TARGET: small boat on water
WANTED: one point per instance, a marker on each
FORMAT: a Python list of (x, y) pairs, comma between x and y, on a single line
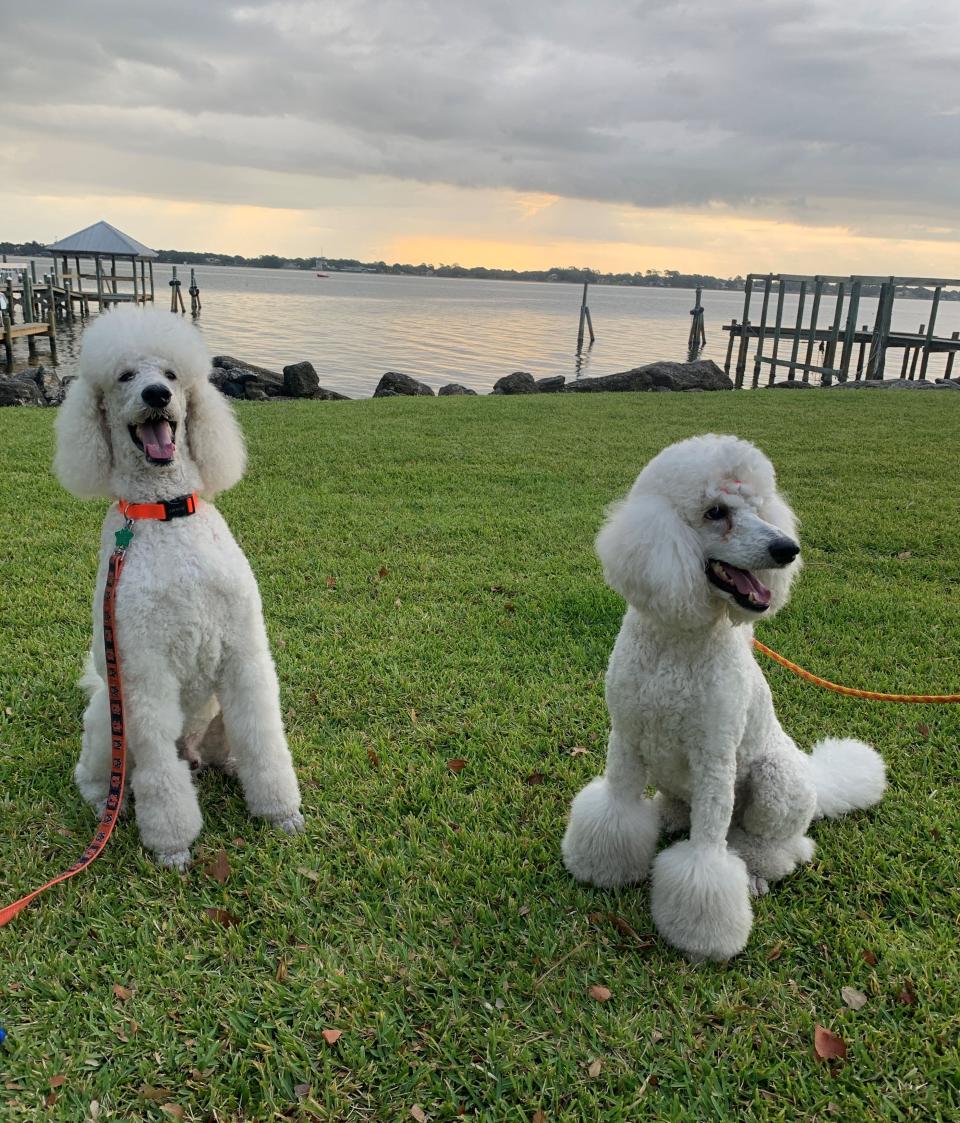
[(321, 266)]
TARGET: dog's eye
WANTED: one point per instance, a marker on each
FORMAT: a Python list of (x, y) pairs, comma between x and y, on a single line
[(127, 375), (714, 514), (171, 374)]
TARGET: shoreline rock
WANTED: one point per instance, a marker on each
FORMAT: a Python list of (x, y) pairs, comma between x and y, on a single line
[(394, 384), (704, 374)]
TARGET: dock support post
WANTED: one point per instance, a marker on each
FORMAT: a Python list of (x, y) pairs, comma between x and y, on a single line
[(8, 338), (584, 318)]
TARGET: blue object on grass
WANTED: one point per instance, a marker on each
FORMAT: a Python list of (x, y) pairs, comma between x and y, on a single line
[(3, 1035)]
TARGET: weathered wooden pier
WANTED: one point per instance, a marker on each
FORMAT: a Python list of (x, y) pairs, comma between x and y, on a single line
[(836, 349)]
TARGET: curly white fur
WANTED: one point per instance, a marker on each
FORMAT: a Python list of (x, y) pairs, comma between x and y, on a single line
[(196, 665), (690, 710)]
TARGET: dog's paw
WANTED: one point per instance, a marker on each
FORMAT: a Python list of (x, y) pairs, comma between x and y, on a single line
[(174, 859), (758, 886), (292, 824)]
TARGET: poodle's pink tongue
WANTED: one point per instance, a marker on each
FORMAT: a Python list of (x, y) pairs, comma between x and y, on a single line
[(748, 585), (157, 439)]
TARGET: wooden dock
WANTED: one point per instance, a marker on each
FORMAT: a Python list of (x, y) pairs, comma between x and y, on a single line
[(842, 350)]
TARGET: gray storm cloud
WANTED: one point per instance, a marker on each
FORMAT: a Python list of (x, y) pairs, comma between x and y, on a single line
[(825, 111)]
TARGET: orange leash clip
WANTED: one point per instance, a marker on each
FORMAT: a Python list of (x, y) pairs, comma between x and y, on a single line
[(850, 691), (118, 739)]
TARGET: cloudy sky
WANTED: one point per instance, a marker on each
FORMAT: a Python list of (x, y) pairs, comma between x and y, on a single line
[(714, 135)]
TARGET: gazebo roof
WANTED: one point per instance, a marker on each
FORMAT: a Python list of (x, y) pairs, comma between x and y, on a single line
[(104, 240)]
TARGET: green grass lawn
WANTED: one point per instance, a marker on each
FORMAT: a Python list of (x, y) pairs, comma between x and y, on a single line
[(432, 596)]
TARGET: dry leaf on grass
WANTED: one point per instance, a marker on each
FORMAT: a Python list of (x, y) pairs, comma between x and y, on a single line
[(331, 582), (282, 971), (383, 572), (600, 993), (827, 1046), (219, 868), (221, 916), (457, 765), (155, 1094), (870, 958), (302, 1090), (311, 875), (908, 996), (331, 1036), (373, 758), (535, 778), (418, 1113), (175, 1111), (579, 750), (854, 998), (123, 993), (57, 1081), (594, 1070), (538, 1116), (774, 953)]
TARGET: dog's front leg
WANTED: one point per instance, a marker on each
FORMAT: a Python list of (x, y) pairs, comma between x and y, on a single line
[(168, 814), (250, 699), (699, 895)]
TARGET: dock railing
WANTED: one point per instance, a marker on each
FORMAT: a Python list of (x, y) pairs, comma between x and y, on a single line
[(835, 342)]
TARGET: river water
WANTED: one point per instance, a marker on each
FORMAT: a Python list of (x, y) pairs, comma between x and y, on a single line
[(353, 327)]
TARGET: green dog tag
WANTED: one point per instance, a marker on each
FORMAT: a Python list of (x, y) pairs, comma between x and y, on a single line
[(124, 538)]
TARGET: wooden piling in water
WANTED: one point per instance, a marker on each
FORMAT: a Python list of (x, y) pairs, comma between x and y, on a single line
[(585, 318)]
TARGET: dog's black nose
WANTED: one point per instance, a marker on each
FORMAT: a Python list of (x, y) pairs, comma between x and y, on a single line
[(156, 395), (783, 550)]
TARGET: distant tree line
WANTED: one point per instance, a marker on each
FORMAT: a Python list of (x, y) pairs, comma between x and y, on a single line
[(569, 274)]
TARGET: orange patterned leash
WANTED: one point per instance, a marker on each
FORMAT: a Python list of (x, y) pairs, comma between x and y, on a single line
[(118, 740), (850, 691)]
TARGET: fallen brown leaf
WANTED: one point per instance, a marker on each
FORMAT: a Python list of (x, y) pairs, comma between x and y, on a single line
[(579, 750), (331, 1036), (219, 868), (594, 1070), (905, 554), (870, 958), (854, 998), (57, 1081), (923, 729), (311, 875), (827, 1046), (600, 993), (908, 996), (282, 971), (122, 992), (523, 910), (535, 778), (538, 1116), (456, 765), (302, 1090), (66, 832), (383, 572), (413, 716), (175, 1111), (221, 916), (331, 582), (50, 1099), (418, 1113), (155, 1094), (373, 758)]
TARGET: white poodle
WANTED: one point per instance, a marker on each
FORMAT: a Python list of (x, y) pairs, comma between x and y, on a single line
[(142, 423), (701, 547)]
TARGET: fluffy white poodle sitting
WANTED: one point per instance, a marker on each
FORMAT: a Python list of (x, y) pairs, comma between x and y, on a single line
[(142, 423), (702, 546)]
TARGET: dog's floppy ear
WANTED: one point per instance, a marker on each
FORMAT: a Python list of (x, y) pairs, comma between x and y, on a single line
[(214, 438), (83, 460), (652, 558)]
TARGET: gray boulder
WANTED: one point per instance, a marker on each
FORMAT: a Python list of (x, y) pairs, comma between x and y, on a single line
[(236, 370), (322, 394), (553, 385), (948, 384), (453, 388), (703, 374), (20, 392), (887, 384), (51, 388), (795, 385), (517, 383), (300, 380), (253, 392), (401, 385)]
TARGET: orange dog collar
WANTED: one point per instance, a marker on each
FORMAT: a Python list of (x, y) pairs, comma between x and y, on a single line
[(164, 510)]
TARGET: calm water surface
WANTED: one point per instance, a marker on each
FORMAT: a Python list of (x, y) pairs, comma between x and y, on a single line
[(353, 327)]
